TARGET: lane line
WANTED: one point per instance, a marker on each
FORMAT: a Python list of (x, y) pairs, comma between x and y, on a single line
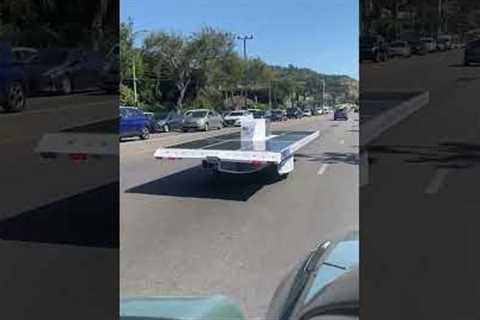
[(322, 169), (437, 181)]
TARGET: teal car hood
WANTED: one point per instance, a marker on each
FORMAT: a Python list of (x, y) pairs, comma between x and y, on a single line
[(179, 308)]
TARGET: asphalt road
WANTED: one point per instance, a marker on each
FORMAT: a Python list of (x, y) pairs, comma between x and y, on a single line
[(418, 214), (58, 235), (28, 182), (184, 233)]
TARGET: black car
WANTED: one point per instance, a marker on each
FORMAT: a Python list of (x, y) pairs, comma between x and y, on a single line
[(472, 52), (294, 113), (373, 48), (13, 86), (64, 70), (418, 47), (278, 115), (168, 121), (341, 113)]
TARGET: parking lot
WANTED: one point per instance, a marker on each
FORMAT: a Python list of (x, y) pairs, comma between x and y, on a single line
[(185, 232)]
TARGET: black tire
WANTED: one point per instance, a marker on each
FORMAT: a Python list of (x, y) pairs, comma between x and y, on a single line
[(466, 63), (16, 98), (184, 130), (206, 128), (145, 134), (66, 86), (377, 57), (220, 126)]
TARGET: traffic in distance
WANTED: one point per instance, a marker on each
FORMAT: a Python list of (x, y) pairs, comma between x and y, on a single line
[(134, 122), (376, 48)]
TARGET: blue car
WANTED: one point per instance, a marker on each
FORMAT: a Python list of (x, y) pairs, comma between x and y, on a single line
[(133, 123), (12, 82), (340, 114)]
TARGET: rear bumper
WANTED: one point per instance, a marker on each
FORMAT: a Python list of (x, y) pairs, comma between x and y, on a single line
[(234, 167)]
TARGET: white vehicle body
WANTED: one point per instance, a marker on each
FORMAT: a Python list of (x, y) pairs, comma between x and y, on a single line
[(307, 113), (429, 43), (444, 42), (255, 149), (235, 118), (399, 48)]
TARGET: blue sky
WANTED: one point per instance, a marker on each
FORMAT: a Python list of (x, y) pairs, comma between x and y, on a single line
[(317, 34)]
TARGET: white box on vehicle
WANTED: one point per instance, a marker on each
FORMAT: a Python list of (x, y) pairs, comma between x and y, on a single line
[(251, 150)]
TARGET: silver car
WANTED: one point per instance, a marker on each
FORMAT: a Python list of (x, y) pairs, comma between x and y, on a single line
[(202, 120)]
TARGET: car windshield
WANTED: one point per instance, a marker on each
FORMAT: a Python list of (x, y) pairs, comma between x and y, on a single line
[(367, 41), (52, 56), (197, 114), (397, 44), (161, 116)]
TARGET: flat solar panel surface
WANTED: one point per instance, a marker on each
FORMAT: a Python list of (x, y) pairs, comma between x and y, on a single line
[(232, 142)]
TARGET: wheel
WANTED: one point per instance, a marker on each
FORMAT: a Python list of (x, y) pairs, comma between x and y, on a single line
[(206, 127), (166, 128), (377, 57), (145, 134), (16, 98), (220, 126), (466, 63), (66, 86)]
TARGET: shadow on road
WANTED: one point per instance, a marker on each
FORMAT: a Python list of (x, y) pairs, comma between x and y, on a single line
[(197, 182), (453, 155), (332, 157), (82, 220)]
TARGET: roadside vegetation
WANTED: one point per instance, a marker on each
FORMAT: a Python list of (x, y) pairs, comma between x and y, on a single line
[(174, 71)]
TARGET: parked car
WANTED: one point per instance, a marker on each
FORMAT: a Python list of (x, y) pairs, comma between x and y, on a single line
[(340, 113), (472, 52), (151, 121), (279, 115), (294, 113), (399, 48), (133, 123), (110, 74), (373, 47), (202, 120), (234, 118), (64, 70), (262, 115), (307, 113), (430, 43), (13, 86), (444, 42), (168, 121), (323, 285), (418, 47)]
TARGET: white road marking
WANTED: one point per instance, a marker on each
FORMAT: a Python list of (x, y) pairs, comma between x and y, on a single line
[(322, 169), (437, 181)]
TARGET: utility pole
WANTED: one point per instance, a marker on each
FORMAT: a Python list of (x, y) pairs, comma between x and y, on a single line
[(134, 83), (323, 93), (244, 39)]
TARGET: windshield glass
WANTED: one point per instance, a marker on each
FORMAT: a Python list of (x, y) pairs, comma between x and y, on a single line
[(397, 44), (52, 56), (367, 41), (197, 114), (236, 114), (161, 116)]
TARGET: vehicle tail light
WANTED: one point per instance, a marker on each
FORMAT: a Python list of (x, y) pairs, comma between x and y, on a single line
[(78, 157)]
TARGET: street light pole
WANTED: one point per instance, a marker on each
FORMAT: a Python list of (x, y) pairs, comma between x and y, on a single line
[(323, 93), (134, 75), (244, 39)]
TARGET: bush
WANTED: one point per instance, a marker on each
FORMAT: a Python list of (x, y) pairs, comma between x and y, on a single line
[(127, 96)]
